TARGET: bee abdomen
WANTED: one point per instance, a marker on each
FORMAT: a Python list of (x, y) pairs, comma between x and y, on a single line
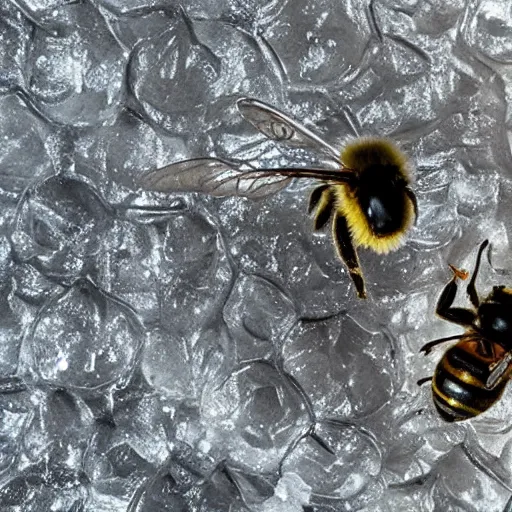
[(458, 386)]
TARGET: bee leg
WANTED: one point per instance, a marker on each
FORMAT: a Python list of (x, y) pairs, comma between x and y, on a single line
[(487, 348), (315, 197), (325, 206), (427, 348), (347, 252), (471, 289), (412, 197), (444, 308), (422, 381)]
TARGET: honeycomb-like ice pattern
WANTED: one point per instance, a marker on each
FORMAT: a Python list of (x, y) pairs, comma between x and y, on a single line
[(188, 353)]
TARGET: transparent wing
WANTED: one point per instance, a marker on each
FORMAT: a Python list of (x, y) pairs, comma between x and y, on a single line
[(217, 177), (279, 127), (499, 371)]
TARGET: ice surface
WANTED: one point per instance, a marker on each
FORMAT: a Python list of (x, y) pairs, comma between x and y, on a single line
[(187, 353)]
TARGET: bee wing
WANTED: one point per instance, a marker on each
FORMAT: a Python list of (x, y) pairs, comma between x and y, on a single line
[(217, 177), (277, 126), (499, 371)]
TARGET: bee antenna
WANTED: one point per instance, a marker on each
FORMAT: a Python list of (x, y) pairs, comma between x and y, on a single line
[(489, 255)]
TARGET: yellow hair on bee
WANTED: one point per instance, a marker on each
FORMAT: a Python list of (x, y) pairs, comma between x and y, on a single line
[(361, 232), (359, 155), (365, 152)]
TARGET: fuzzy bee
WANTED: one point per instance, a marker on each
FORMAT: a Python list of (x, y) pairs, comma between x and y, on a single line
[(472, 375), (365, 193)]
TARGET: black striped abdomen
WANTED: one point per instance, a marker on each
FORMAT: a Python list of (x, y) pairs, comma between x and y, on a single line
[(458, 385)]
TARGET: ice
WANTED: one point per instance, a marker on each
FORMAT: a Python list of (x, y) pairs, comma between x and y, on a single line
[(272, 415), (257, 313), (84, 338), (337, 462), (177, 352), (59, 226), (243, 13), (488, 31), (75, 71), (458, 487), (219, 494), (177, 75), (198, 275), (323, 356), (20, 130), (289, 496), (275, 250), (14, 32), (123, 151), (316, 42), (15, 413)]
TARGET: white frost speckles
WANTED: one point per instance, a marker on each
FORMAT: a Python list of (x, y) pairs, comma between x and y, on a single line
[(62, 363)]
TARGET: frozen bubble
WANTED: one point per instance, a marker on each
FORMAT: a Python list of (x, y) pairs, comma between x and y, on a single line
[(124, 461), (413, 498), (438, 223), (14, 40), (60, 427), (116, 468), (84, 338), (280, 247), (166, 491), (59, 227), (248, 12), (24, 156), (462, 486), (40, 10), (257, 314), (180, 368), (257, 413), (337, 461), (14, 321), (437, 16), (290, 494), (32, 287), (488, 30), (76, 74), (416, 439), (220, 494), (129, 148), (15, 414), (197, 419), (185, 78), (344, 369), (167, 365), (196, 274), (132, 7), (475, 195), (44, 486), (255, 488), (319, 42), (141, 418), (388, 275), (132, 256)]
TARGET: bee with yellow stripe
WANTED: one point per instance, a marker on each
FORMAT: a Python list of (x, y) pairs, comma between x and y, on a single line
[(472, 375), (365, 191)]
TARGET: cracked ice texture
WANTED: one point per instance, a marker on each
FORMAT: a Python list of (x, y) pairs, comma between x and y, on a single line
[(194, 354)]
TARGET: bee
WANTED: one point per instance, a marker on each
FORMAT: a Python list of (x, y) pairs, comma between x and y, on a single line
[(472, 374), (364, 190)]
